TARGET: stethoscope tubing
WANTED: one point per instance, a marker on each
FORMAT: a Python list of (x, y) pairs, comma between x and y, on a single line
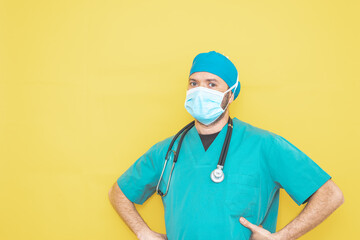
[(225, 147), (190, 125), (176, 154), (184, 131)]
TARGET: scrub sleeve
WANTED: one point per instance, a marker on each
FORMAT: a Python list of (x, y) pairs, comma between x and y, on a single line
[(293, 170), (139, 181)]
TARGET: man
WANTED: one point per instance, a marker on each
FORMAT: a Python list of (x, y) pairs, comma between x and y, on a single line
[(244, 205)]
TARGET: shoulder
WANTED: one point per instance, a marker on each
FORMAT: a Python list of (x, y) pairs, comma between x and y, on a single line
[(268, 140), (160, 147), (163, 143), (251, 132)]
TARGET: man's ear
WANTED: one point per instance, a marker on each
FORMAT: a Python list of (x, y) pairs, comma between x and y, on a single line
[(231, 97), (227, 100)]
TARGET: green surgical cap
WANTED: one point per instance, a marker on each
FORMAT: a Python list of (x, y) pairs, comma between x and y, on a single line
[(218, 64)]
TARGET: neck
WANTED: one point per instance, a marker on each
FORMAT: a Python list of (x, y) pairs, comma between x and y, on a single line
[(213, 127)]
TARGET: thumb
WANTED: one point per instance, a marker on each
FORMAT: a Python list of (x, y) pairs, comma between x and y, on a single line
[(249, 225)]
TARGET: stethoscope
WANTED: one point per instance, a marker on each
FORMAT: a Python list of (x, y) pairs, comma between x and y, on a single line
[(216, 175)]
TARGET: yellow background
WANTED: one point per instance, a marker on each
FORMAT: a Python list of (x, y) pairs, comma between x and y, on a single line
[(88, 86)]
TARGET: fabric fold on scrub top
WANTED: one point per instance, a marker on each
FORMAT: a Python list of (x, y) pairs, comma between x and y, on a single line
[(259, 163)]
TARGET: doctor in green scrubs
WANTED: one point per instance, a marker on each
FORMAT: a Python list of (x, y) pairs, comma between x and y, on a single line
[(258, 164)]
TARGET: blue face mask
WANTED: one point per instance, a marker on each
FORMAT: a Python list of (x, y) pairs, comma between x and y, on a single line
[(204, 104)]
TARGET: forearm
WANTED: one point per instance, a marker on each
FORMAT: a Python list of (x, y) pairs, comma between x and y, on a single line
[(321, 204), (128, 212)]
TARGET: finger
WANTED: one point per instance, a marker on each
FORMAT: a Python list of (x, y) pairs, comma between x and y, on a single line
[(248, 224)]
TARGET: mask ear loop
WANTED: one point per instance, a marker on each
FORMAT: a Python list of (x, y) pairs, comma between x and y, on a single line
[(236, 84)]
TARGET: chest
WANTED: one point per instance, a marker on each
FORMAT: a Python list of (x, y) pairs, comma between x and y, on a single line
[(191, 185)]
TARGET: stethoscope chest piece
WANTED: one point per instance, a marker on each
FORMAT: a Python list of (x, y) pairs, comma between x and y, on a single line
[(217, 175)]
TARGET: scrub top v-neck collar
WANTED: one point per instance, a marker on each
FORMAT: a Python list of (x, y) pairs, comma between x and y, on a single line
[(194, 144), (207, 139)]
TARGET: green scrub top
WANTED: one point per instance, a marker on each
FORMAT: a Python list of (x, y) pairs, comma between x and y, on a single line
[(257, 165)]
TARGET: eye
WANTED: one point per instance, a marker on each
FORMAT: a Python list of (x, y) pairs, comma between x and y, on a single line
[(212, 84), (192, 84)]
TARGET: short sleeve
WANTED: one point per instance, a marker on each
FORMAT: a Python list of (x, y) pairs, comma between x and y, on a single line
[(139, 181), (293, 170)]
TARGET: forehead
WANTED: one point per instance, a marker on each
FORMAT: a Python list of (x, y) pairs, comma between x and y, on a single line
[(206, 76)]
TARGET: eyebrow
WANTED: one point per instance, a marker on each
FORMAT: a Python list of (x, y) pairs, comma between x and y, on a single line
[(208, 79)]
